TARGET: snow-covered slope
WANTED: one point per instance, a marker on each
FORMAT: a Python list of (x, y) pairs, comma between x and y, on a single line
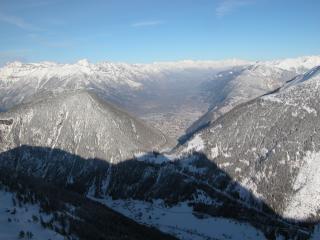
[(80, 118), (19, 82), (270, 145), (22, 222), (78, 123), (231, 88), (298, 65)]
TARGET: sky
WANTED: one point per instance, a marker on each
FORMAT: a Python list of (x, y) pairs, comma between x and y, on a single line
[(140, 31)]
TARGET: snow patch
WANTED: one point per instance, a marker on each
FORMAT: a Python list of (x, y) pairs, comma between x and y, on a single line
[(310, 110), (151, 157), (214, 152), (196, 144)]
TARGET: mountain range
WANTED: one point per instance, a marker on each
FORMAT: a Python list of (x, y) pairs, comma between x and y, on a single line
[(223, 143)]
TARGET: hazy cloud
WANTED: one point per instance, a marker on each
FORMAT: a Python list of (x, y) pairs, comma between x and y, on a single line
[(18, 22), (227, 6), (147, 23)]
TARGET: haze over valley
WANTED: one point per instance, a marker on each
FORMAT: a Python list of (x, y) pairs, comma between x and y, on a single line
[(113, 126)]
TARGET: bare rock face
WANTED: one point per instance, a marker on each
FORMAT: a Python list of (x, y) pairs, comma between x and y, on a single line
[(271, 146)]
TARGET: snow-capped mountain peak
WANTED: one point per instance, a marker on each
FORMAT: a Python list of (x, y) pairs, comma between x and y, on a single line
[(14, 64), (83, 62), (311, 77), (299, 65)]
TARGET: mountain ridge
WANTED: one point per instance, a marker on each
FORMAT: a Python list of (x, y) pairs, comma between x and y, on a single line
[(79, 116), (241, 86), (269, 138)]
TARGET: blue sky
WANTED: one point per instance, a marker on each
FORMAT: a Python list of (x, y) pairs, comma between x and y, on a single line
[(157, 30)]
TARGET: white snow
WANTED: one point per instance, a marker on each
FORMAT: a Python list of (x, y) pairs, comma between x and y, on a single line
[(21, 220), (310, 110), (196, 144), (224, 165), (181, 221), (246, 162), (120, 73), (305, 201), (299, 65), (272, 98), (150, 157), (214, 152)]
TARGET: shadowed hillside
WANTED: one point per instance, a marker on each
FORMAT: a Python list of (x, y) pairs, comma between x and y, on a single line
[(174, 182)]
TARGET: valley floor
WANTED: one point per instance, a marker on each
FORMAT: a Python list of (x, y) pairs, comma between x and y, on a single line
[(174, 123)]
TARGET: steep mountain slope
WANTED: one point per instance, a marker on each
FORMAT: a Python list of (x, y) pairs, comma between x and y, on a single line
[(77, 122), (270, 146), (169, 90), (231, 88)]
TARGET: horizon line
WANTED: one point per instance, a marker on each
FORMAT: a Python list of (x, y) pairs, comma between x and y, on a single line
[(79, 60)]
